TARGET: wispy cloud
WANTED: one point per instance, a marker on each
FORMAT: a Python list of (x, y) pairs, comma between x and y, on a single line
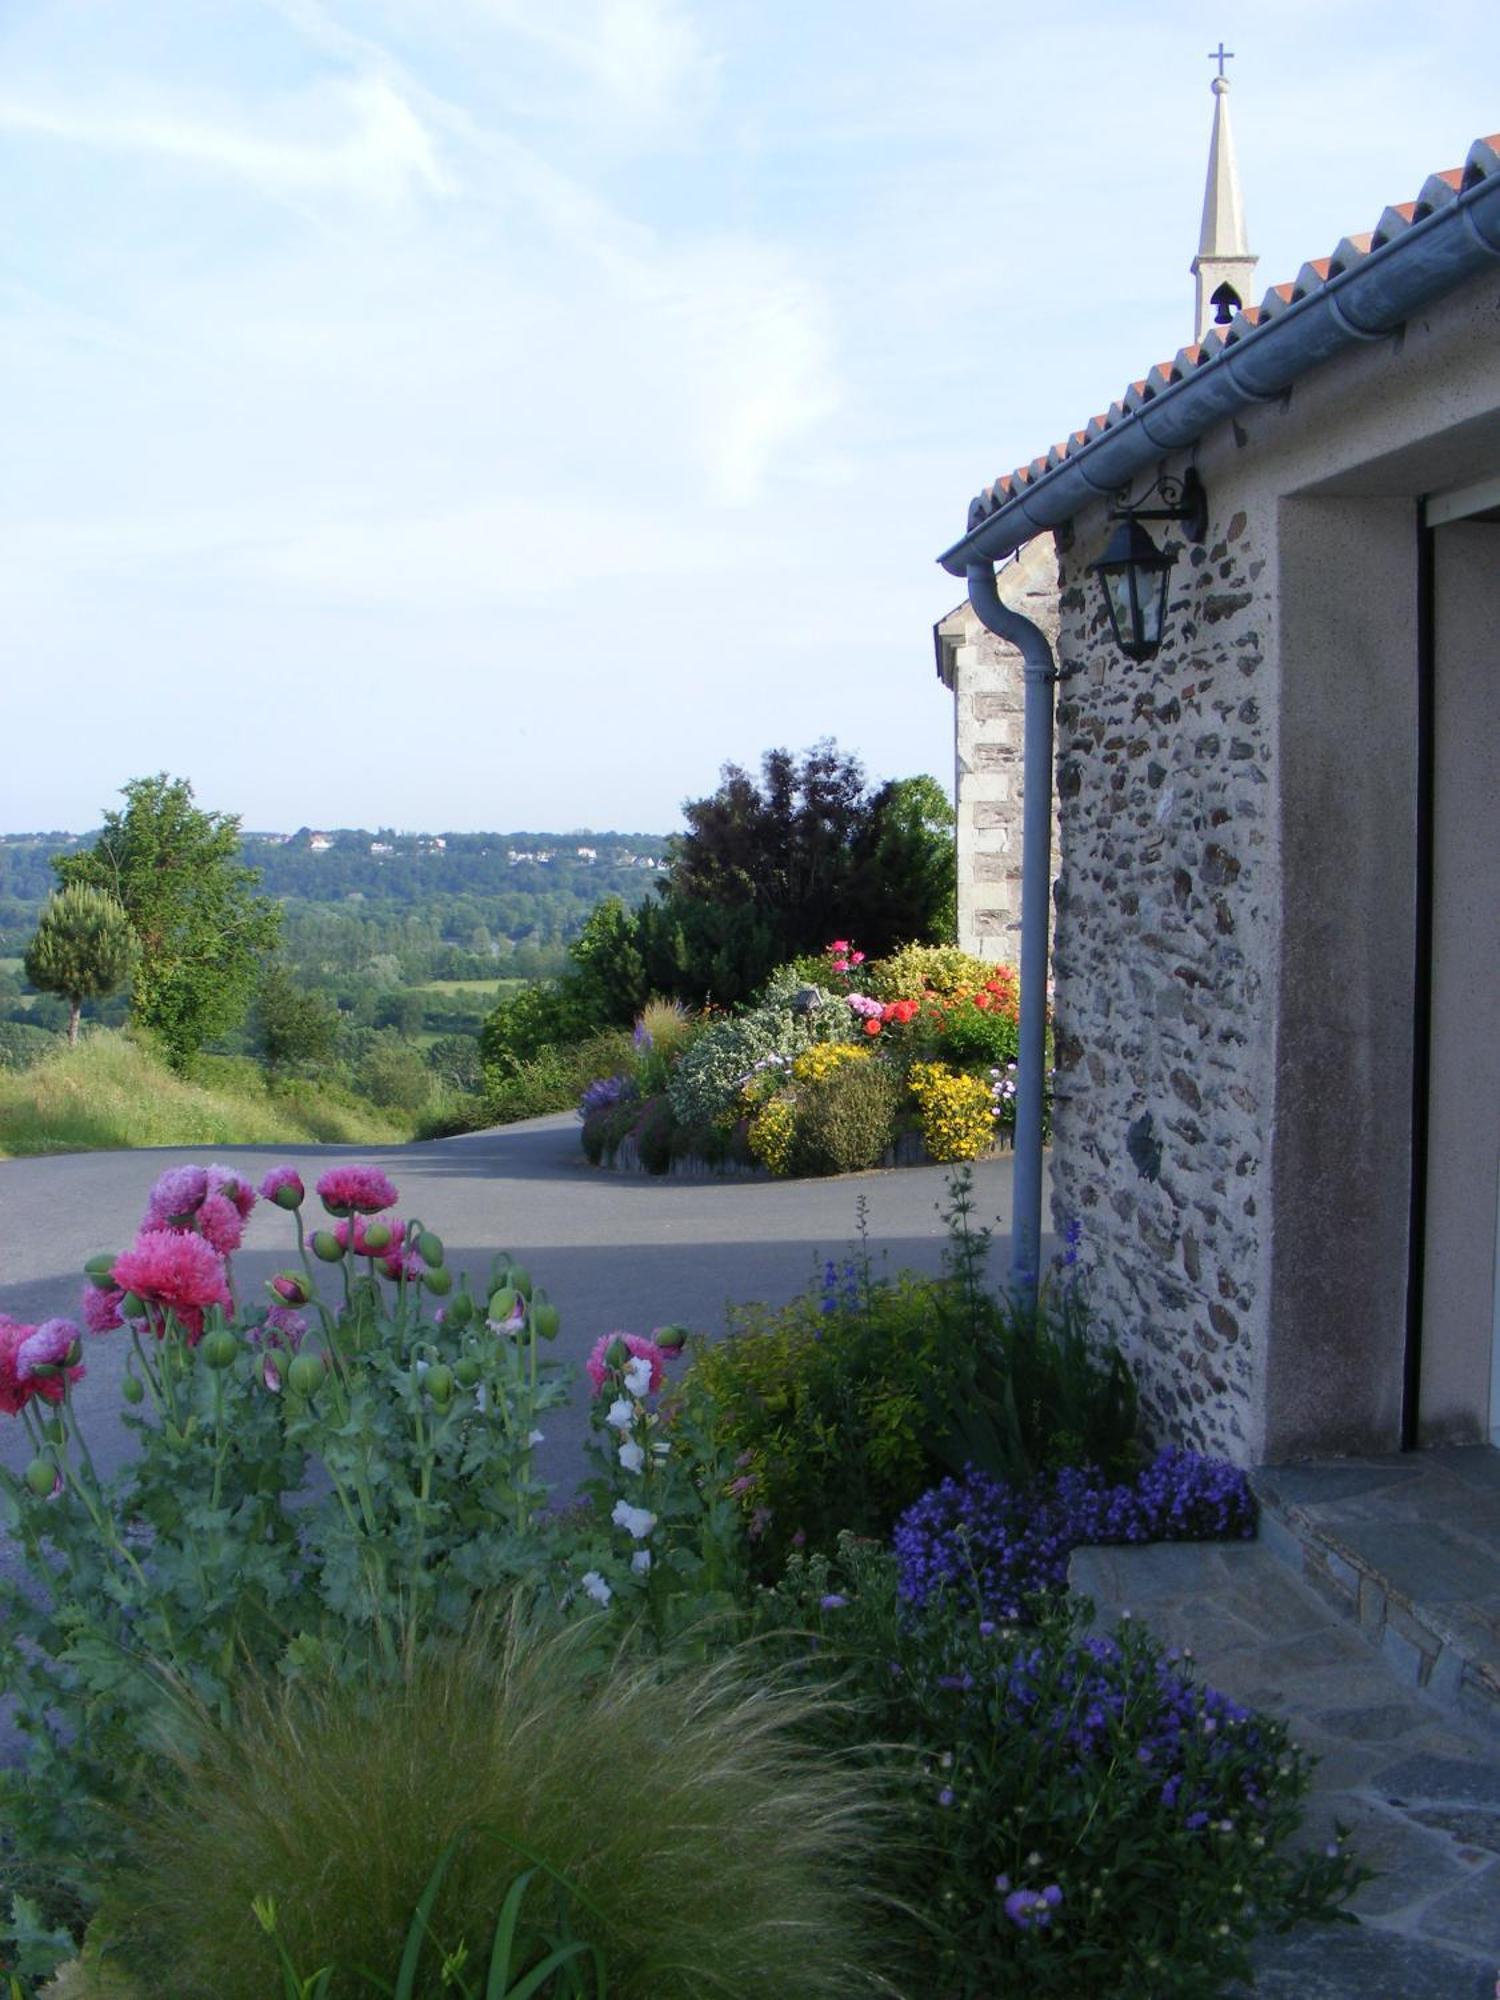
[(355, 136)]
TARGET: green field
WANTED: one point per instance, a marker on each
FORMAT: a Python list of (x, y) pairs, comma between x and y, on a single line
[(477, 989)]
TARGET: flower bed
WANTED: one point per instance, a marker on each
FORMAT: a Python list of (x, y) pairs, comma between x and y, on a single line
[(320, 1682), (820, 1076)]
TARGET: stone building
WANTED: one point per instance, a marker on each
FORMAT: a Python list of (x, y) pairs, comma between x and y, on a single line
[(983, 675), (1277, 923)]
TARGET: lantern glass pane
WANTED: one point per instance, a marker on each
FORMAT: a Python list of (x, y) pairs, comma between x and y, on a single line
[(1119, 599)]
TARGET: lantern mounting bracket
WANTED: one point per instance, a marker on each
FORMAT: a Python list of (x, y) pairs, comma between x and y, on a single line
[(1184, 500)]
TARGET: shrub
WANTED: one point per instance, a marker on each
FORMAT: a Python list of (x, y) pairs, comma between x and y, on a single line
[(23, 1046), (706, 1082), (454, 1061), (957, 1112), (1081, 1817), (555, 1078), (772, 1135), (824, 1058), (825, 1409), (845, 1119), (393, 1075), (654, 1130), (707, 1850), (972, 1036), (938, 968), (549, 1014)]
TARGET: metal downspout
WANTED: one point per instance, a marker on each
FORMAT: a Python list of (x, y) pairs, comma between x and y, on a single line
[(1039, 673)]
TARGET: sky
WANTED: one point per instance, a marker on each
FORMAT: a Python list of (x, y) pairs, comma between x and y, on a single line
[(459, 414)]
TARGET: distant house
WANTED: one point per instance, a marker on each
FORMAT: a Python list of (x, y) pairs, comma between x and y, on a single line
[(319, 843), (1277, 926), (381, 847)]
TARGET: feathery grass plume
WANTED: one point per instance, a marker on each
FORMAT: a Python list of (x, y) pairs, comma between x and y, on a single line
[(709, 1849)]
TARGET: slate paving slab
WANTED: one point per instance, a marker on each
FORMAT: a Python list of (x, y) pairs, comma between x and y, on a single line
[(1417, 1790)]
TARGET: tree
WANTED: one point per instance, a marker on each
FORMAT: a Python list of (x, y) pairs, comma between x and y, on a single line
[(289, 1025), (774, 870), (83, 949), (201, 931)]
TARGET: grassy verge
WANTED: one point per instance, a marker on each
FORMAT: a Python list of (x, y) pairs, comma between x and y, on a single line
[(110, 1093)]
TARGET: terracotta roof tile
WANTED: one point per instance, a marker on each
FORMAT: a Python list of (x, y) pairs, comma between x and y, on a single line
[(1438, 191)]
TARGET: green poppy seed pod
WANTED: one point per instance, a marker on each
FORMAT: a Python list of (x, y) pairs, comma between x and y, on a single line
[(219, 1349), (41, 1477), (430, 1248), (438, 1281), (617, 1354), (467, 1371), (461, 1311), (439, 1385), (290, 1288), (326, 1246), (376, 1236), (131, 1389), (545, 1320), (305, 1374), (504, 1302), (520, 1279), (671, 1339), (101, 1269), (131, 1307)]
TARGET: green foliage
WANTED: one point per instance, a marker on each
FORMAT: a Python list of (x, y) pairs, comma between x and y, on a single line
[(200, 929), (1033, 1760), (291, 1026), (706, 1850), (826, 1413), (83, 949), (454, 1061), (972, 1037), (550, 1015), (1034, 1386), (846, 1120), (23, 1046), (393, 1075), (555, 1078), (31, 1948), (664, 1030)]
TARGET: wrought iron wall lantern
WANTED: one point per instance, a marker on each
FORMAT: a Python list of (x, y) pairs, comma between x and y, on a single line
[(1134, 571)]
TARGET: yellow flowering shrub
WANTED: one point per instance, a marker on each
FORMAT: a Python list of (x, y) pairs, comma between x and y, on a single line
[(823, 1058), (956, 1110), (932, 968), (772, 1135)]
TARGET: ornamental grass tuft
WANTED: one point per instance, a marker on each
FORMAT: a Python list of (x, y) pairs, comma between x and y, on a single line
[(707, 1848)]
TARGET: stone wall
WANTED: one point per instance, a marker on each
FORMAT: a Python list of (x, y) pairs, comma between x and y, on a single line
[(1165, 935), (983, 674)]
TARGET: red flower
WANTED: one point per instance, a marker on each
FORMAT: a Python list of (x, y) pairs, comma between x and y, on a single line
[(872, 1027)]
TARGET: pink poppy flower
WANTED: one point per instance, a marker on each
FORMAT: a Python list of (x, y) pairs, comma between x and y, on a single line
[(283, 1186), (175, 1270), (346, 1190), (176, 1198)]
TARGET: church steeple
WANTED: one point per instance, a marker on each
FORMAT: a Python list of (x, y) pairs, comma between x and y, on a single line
[(1223, 266)]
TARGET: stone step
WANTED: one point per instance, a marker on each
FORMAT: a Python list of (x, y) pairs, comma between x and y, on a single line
[(1408, 1549), (1418, 1790)]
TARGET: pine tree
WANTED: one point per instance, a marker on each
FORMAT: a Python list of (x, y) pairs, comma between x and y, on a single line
[(83, 949)]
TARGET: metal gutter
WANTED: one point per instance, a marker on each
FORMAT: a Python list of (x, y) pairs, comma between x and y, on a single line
[(1373, 295)]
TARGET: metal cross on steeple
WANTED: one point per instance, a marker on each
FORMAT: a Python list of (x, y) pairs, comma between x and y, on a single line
[(1221, 55)]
